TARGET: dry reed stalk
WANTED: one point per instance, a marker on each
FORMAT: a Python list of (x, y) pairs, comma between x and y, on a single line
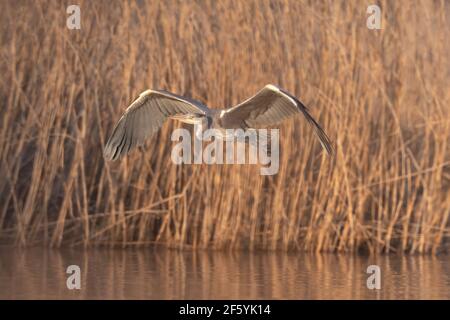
[(381, 95)]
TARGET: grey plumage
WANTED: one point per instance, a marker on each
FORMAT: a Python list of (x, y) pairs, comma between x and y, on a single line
[(148, 112), (145, 116)]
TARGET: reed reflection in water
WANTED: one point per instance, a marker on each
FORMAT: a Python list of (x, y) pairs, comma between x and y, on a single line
[(150, 273)]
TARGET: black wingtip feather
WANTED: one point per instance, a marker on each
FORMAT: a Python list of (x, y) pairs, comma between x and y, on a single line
[(320, 133), (112, 150)]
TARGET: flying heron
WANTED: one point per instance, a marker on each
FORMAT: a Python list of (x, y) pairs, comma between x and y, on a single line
[(148, 112)]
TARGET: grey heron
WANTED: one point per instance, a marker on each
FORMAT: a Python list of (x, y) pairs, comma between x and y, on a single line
[(148, 112)]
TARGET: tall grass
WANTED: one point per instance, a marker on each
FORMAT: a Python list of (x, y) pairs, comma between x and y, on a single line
[(382, 96)]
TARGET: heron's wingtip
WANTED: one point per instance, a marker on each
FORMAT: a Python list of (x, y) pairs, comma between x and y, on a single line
[(330, 150), (108, 153)]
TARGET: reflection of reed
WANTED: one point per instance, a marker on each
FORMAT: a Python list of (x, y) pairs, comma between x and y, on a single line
[(171, 274)]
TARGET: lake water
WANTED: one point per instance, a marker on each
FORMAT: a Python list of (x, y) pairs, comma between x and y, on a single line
[(151, 273)]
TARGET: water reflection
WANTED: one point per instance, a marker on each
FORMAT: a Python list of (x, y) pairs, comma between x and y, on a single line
[(169, 274)]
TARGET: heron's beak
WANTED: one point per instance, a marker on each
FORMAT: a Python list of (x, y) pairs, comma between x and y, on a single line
[(190, 119)]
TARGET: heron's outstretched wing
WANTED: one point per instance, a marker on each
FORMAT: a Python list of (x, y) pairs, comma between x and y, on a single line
[(270, 106), (145, 116)]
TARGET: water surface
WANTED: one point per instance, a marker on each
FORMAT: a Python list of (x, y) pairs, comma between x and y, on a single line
[(151, 273)]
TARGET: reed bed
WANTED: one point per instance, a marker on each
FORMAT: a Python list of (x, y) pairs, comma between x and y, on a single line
[(382, 96)]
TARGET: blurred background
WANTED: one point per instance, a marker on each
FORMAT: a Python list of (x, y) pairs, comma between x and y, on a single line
[(381, 95)]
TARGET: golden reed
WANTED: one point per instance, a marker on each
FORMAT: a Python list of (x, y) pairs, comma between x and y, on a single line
[(382, 96)]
